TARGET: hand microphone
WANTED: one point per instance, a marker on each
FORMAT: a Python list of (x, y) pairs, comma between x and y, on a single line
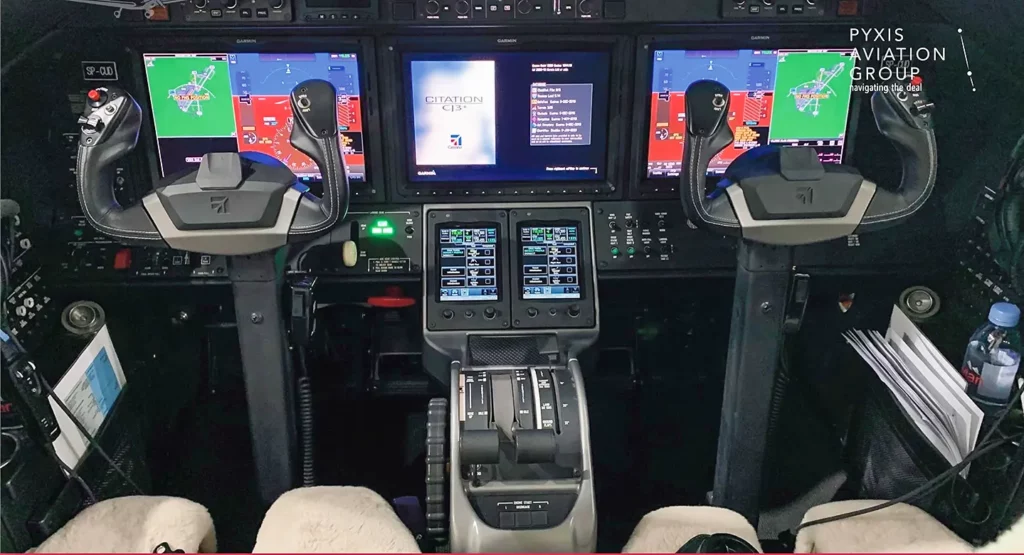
[(20, 376)]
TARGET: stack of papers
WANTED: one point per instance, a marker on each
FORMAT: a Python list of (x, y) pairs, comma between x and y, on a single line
[(925, 384)]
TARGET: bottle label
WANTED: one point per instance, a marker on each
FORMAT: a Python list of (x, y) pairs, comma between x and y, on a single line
[(990, 376)]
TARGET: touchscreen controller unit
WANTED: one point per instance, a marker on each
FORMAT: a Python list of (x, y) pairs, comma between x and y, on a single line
[(469, 263), (550, 262)]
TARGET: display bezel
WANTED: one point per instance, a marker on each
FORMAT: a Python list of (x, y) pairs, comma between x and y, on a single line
[(371, 190), (396, 110), (581, 258), (499, 262), (758, 38)]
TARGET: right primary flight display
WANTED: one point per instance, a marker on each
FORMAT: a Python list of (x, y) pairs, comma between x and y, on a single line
[(795, 97)]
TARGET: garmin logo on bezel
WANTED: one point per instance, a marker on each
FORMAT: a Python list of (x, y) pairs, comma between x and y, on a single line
[(508, 41), (245, 41), (760, 37)]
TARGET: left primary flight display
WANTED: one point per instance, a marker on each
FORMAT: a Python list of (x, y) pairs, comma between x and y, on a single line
[(239, 102)]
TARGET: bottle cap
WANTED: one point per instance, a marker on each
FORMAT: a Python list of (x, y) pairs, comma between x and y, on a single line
[(1004, 315)]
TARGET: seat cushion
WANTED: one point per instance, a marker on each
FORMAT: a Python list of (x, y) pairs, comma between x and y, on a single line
[(333, 519), (666, 530), (900, 528), (136, 524)]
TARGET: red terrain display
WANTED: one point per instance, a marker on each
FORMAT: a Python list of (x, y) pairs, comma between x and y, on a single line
[(749, 117)]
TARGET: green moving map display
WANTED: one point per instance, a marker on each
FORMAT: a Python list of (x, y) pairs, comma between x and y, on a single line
[(191, 96), (812, 95)]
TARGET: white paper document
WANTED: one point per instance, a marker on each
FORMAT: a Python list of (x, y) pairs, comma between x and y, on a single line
[(926, 386), (89, 389)]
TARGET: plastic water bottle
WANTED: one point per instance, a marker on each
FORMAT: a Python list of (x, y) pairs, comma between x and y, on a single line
[(993, 358)]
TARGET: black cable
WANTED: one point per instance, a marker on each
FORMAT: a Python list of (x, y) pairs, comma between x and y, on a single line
[(923, 489), (305, 392), (88, 437), (983, 447), (71, 472)]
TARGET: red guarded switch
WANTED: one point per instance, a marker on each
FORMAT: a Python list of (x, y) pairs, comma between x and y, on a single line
[(123, 259)]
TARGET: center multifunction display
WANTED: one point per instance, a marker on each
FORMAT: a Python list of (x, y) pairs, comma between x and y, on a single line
[(225, 102), (549, 261), (481, 255), (469, 263), (784, 97), (507, 116)]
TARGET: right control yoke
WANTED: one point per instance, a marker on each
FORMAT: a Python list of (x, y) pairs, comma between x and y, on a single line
[(774, 198), (785, 195)]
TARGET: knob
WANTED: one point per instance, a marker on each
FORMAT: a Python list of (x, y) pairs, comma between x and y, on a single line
[(470, 314), (409, 230), (615, 251), (629, 222), (586, 7), (276, 4), (661, 224), (448, 314), (349, 254), (524, 7), (666, 249), (647, 249), (630, 251), (489, 313), (230, 4), (811, 2), (574, 310), (462, 7), (531, 312), (614, 226), (768, 2), (200, 3), (433, 8)]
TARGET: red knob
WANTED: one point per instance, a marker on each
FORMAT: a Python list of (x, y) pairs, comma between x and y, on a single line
[(94, 95)]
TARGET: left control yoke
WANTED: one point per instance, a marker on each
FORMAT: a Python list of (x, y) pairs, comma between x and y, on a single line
[(233, 204)]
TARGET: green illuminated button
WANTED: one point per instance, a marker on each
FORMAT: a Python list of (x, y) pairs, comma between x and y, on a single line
[(79, 233), (615, 251), (382, 227), (631, 251)]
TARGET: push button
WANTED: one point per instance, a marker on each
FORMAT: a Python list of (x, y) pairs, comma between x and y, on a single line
[(755, 9), (123, 259), (539, 518), (506, 520), (262, 12), (447, 314), (523, 519), (798, 10), (246, 12), (216, 13), (782, 10)]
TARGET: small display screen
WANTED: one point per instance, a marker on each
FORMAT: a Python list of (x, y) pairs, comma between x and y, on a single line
[(226, 102), (550, 262), (508, 116), (469, 263), (784, 97)]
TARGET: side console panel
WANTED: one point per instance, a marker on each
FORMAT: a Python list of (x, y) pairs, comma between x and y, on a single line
[(655, 236), (385, 240)]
